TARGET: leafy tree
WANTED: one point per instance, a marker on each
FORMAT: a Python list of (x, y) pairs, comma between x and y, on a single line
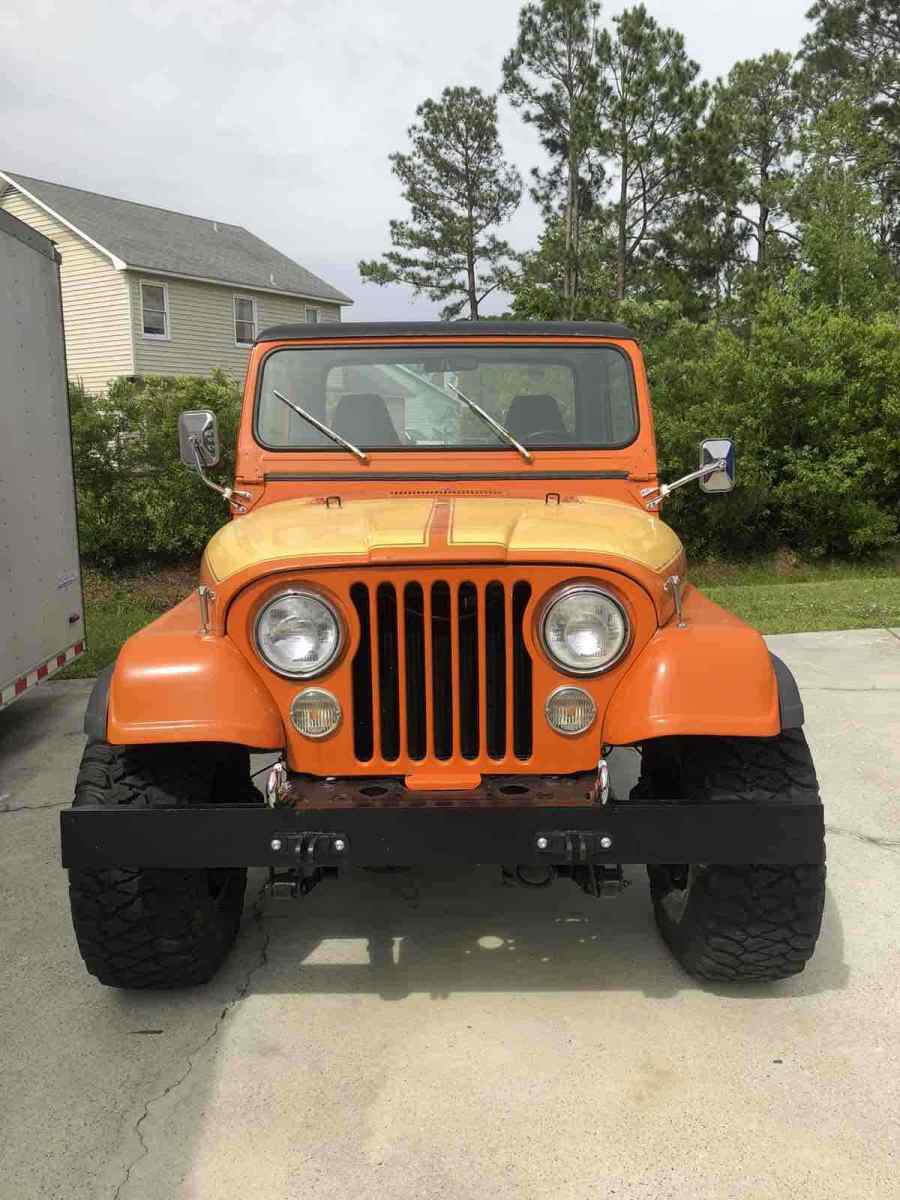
[(136, 502), (649, 105), (459, 189), (853, 55), (551, 76), (758, 111), (838, 214)]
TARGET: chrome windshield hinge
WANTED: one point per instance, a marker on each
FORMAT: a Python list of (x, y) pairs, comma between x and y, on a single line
[(675, 585), (207, 597)]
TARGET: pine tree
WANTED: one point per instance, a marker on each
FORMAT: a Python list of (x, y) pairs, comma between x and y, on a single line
[(758, 109), (649, 106), (551, 76), (459, 189)]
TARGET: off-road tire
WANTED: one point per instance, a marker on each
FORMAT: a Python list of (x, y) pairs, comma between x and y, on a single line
[(141, 928), (736, 923)]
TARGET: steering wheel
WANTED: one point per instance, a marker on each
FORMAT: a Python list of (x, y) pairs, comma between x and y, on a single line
[(548, 435)]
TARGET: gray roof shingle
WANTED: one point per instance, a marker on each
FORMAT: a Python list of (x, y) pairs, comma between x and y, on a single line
[(156, 239)]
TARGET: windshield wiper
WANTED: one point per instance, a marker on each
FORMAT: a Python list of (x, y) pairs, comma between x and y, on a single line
[(488, 419), (317, 424)]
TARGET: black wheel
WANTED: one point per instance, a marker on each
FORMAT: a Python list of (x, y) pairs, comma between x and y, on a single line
[(736, 923), (140, 928)]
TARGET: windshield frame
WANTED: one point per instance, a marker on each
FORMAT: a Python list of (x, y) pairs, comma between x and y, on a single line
[(443, 344)]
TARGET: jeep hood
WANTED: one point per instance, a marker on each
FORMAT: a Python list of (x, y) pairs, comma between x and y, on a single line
[(412, 528)]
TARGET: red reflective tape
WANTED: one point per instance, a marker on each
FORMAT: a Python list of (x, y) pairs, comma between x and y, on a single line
[(42, 671), (79, 647), (21, 685), (60, 660)]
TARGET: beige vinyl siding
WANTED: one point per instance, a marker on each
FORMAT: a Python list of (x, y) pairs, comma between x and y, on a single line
[(95, 300), (201, 325)]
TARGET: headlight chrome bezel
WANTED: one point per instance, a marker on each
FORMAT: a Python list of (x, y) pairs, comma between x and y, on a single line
[(564, 592), (309, 594)]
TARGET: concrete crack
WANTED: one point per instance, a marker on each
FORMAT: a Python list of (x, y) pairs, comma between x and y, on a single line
[(869, 839), (31, 807), (878, 690), (240, 994)]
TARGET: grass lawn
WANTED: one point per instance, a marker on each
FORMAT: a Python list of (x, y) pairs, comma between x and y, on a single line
[(775, 596)]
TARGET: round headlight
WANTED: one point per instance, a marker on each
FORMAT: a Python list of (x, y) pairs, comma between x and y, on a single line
[(584, 630), (298, 634)]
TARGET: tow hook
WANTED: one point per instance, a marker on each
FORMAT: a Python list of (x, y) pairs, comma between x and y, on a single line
[(601, 882)]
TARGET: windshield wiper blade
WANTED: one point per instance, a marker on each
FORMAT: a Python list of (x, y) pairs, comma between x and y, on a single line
[(495, 425), (317, 424)]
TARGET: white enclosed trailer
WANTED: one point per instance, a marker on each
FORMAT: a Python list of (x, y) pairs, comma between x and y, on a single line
[(41, 602)]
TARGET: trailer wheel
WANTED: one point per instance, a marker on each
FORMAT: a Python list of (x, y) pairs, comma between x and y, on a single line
[(141, 928), (735, 923)]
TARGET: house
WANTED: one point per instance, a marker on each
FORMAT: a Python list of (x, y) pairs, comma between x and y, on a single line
[(147, 291)]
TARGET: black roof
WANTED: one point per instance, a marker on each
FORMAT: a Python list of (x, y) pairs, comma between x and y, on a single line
[(447, 329)]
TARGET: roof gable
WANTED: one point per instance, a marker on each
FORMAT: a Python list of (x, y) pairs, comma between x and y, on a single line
[(170, 243)]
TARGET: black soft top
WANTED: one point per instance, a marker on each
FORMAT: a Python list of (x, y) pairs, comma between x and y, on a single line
[(446, 329)]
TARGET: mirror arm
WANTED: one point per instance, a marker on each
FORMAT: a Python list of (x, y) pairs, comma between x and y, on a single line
[(665, 488), (226, 493)]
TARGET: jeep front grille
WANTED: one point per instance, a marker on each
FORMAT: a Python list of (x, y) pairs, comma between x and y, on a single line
[(442, 672)]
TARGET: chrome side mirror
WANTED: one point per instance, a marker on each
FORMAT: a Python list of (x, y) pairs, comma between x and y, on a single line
[(717, 450), (198, 439)]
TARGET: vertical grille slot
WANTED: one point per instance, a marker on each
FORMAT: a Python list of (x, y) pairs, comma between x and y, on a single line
[(361, 681), (522, 731), (414, 633), (468, 670), (388, 677), (442, 671), (495, 669)]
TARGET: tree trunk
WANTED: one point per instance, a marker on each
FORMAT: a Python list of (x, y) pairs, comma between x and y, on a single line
[(570, 278), (762, 238), (622, 215), (472, 289)]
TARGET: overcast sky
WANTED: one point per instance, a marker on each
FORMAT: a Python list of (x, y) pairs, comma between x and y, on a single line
[(280, 114)]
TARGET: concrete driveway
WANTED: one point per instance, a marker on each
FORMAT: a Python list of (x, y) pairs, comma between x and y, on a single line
[(449, 1037)]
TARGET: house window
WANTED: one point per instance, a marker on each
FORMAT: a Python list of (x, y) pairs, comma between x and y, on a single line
[(244, 320), (312, 316), (155, 310)]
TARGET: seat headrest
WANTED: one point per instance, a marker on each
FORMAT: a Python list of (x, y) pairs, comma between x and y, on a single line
[(363, 418), (530, 413)]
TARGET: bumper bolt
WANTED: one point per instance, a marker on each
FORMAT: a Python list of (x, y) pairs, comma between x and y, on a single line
[(275, 844), (606, 843), (542, 843), (339, 845)]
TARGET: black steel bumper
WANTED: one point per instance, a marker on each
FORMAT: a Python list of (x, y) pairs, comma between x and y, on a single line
[(619, 832)]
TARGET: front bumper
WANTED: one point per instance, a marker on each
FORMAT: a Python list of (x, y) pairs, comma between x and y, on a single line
[(432, 829)]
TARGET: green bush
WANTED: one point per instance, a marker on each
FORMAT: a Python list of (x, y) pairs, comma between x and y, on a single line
[(136, 502), (811, 396)]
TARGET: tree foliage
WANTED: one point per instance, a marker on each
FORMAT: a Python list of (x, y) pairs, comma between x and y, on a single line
[(551, 75), (136, 502), (650, 105), (459, 189)]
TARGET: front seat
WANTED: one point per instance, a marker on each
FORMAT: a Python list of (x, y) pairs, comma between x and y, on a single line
[(363, 418), (531, 414)]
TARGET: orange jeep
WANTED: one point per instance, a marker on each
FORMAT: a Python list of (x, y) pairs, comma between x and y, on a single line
[(445, 599)]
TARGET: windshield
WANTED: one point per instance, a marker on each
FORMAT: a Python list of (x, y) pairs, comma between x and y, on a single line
[(396, 397)]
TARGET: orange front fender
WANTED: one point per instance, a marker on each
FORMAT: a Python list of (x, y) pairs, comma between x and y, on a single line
[(714, 676), (173, 684)]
